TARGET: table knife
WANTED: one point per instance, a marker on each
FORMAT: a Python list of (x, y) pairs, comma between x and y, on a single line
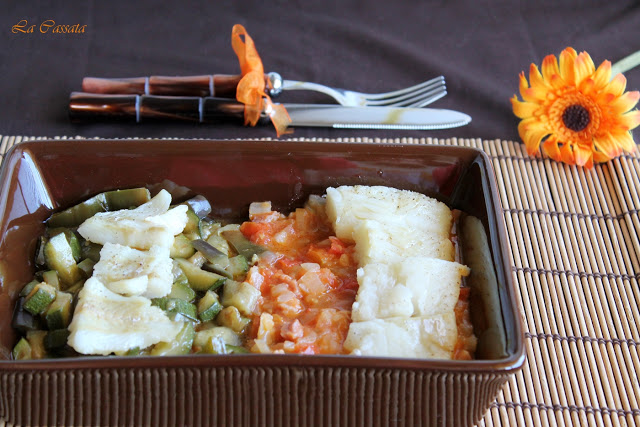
[(84, 107)]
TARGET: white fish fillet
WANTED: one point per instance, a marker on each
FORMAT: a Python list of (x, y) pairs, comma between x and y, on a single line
[(105, 322), (151, 224)]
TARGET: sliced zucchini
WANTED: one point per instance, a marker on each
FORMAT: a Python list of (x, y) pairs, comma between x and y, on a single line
[(192, 229), (199, 280), (58, 314), (180, 345), (207, 227), (91, 251), (51, 278), (236, 349), (241, 244), (241, 295), (182, 291), (231, 318), (127, 199), (72, 238), (40, 298), (238, 267), (86, 267), (22, 350), (59, 256), (182, 247), (227, 335), (36, 341), (209, 306), (56, 339), (76, 215), (28, 288), (177, 306)]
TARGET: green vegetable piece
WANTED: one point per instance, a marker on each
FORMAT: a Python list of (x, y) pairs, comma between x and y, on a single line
[(235, 349), (214, 345), (209, 306), (28, 288), (207, 227), (199, 280), (72, 238), (76, 215), (231, 318), (39, 298), (56, 339), (36, 341), (22, 350), (161, 303), (241, 295), (86, 267), (59, 313), (181, 344), (51, 277), (127, 199), (182, 291), (238, 267), (133, 352), (91, 251), (182, 247), (75, 288), (227, 335), (177, 306), (241, 244), (192, 229), (59, 256)]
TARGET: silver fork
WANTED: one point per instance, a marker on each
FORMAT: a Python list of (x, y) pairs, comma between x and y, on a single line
[(417, 96)]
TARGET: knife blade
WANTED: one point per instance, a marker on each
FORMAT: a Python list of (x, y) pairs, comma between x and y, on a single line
[(85, 107)]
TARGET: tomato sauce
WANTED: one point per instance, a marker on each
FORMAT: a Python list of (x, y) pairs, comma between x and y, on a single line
[(308, 283)]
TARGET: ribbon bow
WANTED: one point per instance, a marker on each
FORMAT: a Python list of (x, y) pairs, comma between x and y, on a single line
[(251, 88)]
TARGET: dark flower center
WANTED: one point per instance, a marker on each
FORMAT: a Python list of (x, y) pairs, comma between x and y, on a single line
[(575, 117)]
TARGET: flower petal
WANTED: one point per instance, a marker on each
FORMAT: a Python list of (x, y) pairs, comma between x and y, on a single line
[(630, 120), (551, 72), (567, 65), (523, 109), (566, 152), (583, 156), (624, 102), (617, 85), (551, 148), (531, 132), (602, 76), (584, 67), (608, 145)]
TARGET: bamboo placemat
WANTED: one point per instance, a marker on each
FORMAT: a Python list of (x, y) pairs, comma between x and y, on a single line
[(575, 249)]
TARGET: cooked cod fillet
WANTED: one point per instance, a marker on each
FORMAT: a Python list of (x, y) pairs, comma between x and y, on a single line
[(128, 271), (105, 322), (151, 224), (413, 287), (419, 337), (348, 206), (391, 243)]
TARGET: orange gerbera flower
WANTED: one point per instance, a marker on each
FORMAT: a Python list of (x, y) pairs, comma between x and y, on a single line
[(251, 88), (576, 112)]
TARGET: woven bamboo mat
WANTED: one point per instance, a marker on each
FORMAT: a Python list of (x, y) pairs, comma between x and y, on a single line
[(575, 247)]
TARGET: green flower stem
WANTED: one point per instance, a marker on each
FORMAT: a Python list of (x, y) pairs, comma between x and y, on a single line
[(625, 64)]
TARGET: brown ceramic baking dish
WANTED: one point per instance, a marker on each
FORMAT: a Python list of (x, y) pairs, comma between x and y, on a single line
[(39, 177)]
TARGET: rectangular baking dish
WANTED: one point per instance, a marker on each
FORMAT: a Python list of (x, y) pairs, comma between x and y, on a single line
[(41, 176)]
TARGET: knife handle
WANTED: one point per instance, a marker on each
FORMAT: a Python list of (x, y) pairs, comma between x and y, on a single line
[(214, 85), (87, 107)]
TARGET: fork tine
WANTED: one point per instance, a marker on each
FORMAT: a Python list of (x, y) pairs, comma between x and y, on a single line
[(401, 92), (421, 96), (427, 101)]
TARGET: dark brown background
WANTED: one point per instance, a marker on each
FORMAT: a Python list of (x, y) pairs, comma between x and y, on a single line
[(480, 46)]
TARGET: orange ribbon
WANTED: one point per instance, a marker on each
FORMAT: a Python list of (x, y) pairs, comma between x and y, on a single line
[(251, 88)]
